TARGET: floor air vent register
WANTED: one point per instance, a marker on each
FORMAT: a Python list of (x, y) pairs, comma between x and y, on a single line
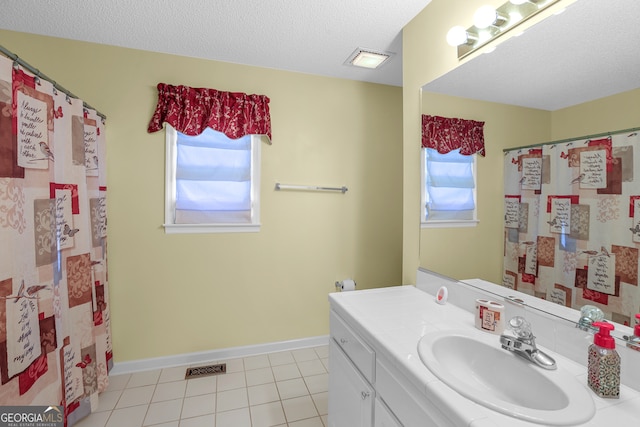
[(203, 371)]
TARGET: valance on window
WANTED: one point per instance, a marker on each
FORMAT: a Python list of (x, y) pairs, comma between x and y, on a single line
[(445, 134), (192, 110)]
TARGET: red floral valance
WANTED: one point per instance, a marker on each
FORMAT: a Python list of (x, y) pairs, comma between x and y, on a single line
[(191, 110), (445, 134)]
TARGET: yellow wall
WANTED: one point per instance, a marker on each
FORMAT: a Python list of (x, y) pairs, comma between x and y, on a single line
[(426, 56), (173, 294), (477, 252), (616, 112)]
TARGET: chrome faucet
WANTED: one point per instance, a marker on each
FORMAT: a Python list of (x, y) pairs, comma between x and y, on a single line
[(523, 343), (588, 315)]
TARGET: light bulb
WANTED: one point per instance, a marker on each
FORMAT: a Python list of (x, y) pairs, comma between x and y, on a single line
[(456, 36), (515, 17), (485, 16)]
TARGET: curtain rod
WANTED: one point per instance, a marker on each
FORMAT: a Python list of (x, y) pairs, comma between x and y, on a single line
[(41, 75), (597, 135)]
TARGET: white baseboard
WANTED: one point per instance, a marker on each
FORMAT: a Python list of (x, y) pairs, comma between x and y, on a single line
[(133, 366)]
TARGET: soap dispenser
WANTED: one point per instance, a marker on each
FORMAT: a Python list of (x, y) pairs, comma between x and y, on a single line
[(634, 341), (604, 363)]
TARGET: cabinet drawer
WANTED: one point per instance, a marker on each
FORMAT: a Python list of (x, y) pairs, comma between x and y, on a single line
[(362, 356)]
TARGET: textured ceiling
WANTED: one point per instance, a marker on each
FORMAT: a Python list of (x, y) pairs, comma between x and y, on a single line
[(588, 52), (308, 36)]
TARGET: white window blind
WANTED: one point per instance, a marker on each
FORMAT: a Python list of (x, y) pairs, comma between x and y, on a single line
[(449, 187), (213, 181)]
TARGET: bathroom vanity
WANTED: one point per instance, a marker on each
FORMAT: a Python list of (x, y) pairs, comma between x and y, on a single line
[(377, 377)]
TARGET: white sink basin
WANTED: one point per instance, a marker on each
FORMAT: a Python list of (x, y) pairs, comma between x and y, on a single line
[(478, 368)]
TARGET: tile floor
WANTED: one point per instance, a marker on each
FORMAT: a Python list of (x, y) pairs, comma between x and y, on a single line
[(284, 389)]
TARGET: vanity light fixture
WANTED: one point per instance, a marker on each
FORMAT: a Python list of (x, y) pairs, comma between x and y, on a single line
[(368, 58), (487, 16), (490, 23)]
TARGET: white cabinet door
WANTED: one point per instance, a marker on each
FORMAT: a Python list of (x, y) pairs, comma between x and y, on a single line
[(383, 416), (350, 395)]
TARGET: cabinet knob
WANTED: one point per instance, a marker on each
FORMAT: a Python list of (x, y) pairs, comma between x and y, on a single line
[(343, 341), (365, 394)]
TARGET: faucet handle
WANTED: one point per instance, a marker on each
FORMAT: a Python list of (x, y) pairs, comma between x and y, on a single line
[(520, 327), (588, 315)]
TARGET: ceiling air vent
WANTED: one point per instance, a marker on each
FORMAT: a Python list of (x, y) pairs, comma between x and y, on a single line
[(368, 58)]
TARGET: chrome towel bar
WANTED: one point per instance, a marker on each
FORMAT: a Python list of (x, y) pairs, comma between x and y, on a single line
[(309, 188)]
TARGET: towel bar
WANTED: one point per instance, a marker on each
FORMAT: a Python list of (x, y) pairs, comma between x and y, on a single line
[(309, 188)]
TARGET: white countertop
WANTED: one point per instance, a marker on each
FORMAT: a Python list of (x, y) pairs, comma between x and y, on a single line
[(394, 319)]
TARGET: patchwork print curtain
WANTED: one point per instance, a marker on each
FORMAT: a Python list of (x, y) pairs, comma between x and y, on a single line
[(55, 344), (572, 223)]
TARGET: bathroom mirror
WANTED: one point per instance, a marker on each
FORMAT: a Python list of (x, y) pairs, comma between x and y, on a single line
[(585, 53)]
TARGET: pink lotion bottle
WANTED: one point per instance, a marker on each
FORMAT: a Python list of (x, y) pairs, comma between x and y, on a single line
[(604, 363)]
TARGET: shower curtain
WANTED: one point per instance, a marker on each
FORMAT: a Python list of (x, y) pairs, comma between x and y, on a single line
[(572, 223), (55, 339)]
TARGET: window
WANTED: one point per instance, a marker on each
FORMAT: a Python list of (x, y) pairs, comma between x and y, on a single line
[(448, 189), (212, 183)]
